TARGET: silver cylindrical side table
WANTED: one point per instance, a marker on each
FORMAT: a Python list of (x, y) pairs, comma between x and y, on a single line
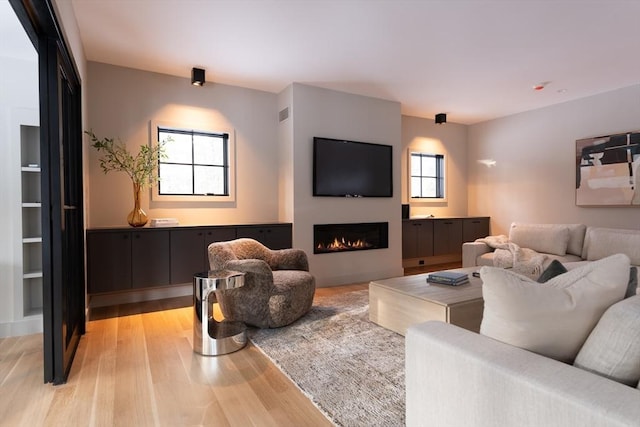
[(210, 337)]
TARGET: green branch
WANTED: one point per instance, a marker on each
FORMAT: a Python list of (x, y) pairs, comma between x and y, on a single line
[(116, 157)]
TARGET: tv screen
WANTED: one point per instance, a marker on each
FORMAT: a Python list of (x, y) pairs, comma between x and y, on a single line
[(351, 169)]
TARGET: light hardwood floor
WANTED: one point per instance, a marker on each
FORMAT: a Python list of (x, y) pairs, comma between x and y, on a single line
[(139, 369)]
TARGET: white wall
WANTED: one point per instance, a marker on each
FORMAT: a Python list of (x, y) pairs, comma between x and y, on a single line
[(534, 176), (18, 104), (450, 139), (321, 112), (123, 101)]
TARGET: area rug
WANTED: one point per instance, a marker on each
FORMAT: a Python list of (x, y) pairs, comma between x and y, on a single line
[(350, 368)]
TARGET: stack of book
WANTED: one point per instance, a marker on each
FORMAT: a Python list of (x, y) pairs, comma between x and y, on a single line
[(451, 278)]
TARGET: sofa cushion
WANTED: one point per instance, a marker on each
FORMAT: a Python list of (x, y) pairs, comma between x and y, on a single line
[(553, 318), (554, 269), (613, 347), (602, 242), (544, 238)]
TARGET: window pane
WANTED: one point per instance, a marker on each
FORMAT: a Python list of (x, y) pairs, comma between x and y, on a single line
[(415, 187), (415, 165), (175, 179), (428, 187), (209, 180), (177, 147), (428, 166), (208, 150)]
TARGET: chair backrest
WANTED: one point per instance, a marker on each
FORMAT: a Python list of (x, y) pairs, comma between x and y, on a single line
[(222, 252)]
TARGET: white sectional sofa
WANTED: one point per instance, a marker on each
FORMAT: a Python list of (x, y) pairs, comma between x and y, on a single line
[(571, 244), (457, 378)]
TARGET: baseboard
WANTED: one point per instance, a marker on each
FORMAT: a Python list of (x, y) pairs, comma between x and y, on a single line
[(128, 297), (431, 260), (26, 326)]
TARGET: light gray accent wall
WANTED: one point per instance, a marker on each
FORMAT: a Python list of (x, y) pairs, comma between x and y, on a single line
[(332, 114), (534, 177)]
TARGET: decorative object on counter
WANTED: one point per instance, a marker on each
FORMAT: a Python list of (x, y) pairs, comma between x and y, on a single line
[(141, 168), (164, 222)]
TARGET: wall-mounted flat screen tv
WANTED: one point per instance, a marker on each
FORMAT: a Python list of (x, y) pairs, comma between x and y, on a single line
[(351, 169)]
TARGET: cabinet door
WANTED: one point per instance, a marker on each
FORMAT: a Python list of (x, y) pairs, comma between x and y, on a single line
[(409, 239), (417, 239), (474, 228), (150, 258), (272, 236), (447, 236), (186, 254), (108, 261)]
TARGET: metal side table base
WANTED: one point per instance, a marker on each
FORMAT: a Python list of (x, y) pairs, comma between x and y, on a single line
[(211, 337)]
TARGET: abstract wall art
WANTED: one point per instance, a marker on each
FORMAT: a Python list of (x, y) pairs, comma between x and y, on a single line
[(607, 169)]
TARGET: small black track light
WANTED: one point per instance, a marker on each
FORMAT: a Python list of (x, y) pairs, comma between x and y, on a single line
[(441, 118), (197, 76)]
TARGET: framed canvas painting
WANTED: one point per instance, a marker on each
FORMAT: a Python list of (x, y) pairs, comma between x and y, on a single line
[(607, 169)]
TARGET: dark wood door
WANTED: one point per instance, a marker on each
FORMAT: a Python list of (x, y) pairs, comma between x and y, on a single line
[(62, 214)]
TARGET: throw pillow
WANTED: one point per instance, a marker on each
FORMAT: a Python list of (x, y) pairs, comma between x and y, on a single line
[(553, 318), (554, 269), (613, 347), (632, 288), (544, 238)]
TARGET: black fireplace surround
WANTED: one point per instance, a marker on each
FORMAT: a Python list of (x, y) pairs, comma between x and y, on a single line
[(332, 238)]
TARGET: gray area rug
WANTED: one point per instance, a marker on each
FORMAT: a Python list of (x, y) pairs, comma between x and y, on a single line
[(351, 368)]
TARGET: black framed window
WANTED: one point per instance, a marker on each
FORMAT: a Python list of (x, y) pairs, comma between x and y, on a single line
[(427, 176), (196, 163)]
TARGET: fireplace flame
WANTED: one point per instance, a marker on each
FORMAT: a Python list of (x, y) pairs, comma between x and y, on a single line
[(341, 244)]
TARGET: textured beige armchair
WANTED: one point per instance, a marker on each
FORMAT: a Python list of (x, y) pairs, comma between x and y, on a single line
[(278, 287)]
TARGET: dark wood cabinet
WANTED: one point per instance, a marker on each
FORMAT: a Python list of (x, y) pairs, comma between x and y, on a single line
[(447, 236), (475, 228), (431, 241), (108, 261), (273, 236), (417, 238), (121, 259), (150, 250), (189, 250)]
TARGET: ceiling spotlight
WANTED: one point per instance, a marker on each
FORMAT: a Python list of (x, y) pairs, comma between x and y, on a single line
[(197, 76), (441, 118)]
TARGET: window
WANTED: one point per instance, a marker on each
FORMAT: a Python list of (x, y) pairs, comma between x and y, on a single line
[(427, 176), (196, 163)]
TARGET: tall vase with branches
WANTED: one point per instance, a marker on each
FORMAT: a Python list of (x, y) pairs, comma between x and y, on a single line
[(140, 168)]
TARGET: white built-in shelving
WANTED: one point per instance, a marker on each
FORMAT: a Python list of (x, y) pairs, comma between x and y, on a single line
[(31, 221)]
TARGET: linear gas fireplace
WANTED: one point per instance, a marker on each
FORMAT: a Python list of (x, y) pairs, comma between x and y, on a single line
[(331, 238)]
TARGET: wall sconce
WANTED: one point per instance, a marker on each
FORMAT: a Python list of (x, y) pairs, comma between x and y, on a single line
[(197, 76), (441, 118)]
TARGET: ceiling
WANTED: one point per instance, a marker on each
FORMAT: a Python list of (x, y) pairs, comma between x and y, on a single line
[(472, 59)]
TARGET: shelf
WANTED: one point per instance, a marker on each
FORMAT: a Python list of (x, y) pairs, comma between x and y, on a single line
[(31, 205), (32, 275), (30, 169), (32, 240)]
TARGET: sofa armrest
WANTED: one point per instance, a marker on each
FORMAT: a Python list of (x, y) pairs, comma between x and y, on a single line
[(471, 251), (455, 377)]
